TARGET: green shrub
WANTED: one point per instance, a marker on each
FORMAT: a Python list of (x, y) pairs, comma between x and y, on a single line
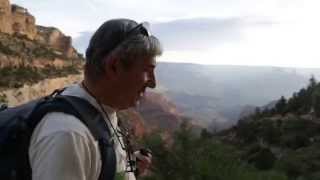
[(262, 159), (15, 77), (200, 158), (295, 141)]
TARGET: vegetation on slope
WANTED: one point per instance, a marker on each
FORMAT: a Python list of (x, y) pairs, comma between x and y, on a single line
[(18, 76), (190, 157), (281, 142), (284, 138)]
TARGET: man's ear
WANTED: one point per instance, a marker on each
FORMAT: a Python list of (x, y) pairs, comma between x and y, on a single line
[(111, 67)]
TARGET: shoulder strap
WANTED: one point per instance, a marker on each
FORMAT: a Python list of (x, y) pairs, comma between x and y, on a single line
[(88, 114), (93, 119)]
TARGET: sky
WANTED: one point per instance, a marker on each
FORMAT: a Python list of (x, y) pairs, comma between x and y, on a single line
[(283, 33)]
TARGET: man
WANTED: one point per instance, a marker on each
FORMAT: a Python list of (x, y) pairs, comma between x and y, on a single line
[(120, 63)]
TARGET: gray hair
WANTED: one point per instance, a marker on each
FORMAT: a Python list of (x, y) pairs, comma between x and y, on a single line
[(130, 50), (136, 47)]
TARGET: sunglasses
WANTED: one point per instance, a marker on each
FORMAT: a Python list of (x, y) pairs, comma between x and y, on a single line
[(142, 28)]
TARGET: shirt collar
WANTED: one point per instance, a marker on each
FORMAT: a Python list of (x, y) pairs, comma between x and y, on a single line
[(78, 91)]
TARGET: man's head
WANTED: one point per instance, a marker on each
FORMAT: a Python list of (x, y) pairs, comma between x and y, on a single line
[(120, 62)]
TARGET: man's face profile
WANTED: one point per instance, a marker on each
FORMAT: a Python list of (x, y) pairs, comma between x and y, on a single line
[(135, 80)]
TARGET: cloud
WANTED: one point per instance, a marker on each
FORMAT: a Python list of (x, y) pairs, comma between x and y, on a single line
[(93, 12), (205, 33), (189, 34), (198, 34)]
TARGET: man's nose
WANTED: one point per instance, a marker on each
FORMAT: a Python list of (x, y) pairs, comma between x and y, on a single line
[(151, 83)]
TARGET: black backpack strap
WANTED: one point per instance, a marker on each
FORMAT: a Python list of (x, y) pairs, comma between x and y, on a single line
[(95, 122), (100, 130)]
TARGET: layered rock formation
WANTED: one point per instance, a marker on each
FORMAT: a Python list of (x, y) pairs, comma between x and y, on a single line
[(16, 51), (159, 112), (5, 17), (57, 40), (31, 53), (16, 20)]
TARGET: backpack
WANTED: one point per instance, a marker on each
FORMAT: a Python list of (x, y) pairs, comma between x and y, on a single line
[(18, 123)]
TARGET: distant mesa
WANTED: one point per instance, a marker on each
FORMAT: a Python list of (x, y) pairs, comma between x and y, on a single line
[(16, 20)]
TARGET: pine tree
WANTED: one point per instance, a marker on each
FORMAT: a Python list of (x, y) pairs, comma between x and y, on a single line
[(312, 82), (281, 105), (316, 101)]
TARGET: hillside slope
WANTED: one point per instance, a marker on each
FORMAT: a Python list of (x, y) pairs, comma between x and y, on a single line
[(284, 138)]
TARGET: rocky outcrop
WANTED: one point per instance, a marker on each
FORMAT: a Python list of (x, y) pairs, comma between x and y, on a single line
[(22, 22), (16, 52), (57, 40), (16, 20), (5, 17), (159, 112)]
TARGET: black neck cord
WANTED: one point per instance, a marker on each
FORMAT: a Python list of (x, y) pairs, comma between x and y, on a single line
[(128, 148)]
